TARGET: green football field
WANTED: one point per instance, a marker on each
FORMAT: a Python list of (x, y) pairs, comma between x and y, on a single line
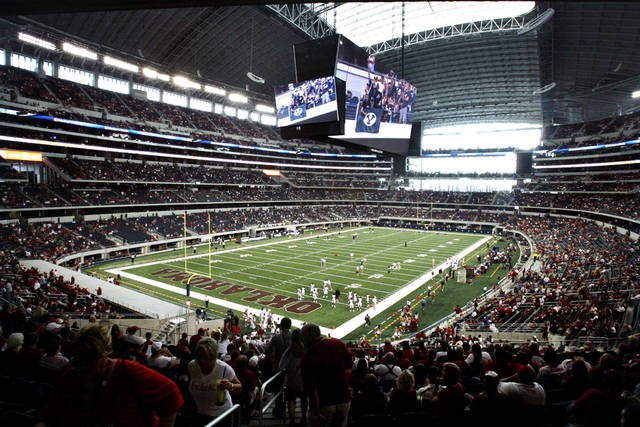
[(268, 274)]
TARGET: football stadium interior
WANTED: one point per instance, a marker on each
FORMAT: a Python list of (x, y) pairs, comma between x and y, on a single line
[(204, 203)]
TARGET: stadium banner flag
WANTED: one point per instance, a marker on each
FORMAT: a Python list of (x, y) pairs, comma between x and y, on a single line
[(370, 121)]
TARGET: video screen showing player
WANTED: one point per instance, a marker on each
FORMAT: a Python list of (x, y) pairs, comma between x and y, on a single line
[(378, 102)]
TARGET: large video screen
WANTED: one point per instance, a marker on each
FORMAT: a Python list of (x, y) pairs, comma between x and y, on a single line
[(379, 104), (307, 102)]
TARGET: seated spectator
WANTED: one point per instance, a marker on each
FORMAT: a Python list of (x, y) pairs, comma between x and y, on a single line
[(577, 380), (486, 405), (522, 389), (449, 394), (359, 373), (387, 372), (53, 362), (477, 360), (601, 406), (368, 399), (551, 375), (9, 355), (161, 358), (29, 356), (402, 397)]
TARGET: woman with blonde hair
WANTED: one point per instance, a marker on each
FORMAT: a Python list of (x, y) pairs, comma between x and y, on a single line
[(211, 381), (402, 397)]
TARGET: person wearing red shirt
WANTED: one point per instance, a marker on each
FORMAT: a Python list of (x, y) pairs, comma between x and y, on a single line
[(324, 368), (99, 390)]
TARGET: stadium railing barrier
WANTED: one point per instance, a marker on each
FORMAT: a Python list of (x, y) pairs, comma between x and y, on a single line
[(228, 413), (264, 407)]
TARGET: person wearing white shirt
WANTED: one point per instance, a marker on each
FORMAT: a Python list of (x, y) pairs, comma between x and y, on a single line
[(525, 391)]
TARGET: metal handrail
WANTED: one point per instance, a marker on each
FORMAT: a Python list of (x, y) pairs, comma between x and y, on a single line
[(264, 408), (224, 415)]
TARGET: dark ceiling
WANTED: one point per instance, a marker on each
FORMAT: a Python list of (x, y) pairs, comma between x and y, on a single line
[(590, 50)]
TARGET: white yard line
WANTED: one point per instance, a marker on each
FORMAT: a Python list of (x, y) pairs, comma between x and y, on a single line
[(244, 248)]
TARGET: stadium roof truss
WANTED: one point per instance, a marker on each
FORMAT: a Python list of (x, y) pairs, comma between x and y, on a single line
[(424, 21), (492, 25), (304, 18)]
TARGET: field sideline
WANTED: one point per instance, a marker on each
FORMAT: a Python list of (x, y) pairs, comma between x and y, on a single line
[(268, 273)]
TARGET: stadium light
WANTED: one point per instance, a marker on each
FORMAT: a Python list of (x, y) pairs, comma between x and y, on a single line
[(230, 111), (635, 94), (254, 116), (215, 90), (242, 114), (236, 97), (153, 74), (265, 108), (150, 73), (28, 38), (268, 120), (115, 62), (79, 51), (182, 81)]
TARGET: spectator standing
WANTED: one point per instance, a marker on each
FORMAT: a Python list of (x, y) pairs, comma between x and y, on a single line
[(99, 390), (324, 368), (290, 364), (278, 344), (208, 376)]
